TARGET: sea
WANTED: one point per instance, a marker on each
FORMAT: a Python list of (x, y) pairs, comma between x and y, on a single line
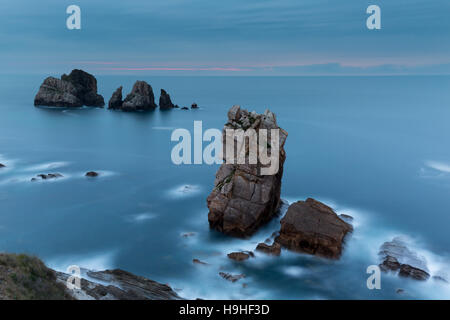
[(373, 147)]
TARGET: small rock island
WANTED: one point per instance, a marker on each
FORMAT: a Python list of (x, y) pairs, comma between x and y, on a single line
[(77, 89)]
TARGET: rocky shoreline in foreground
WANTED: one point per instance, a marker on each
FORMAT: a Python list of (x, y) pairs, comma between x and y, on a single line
[(24, 277)]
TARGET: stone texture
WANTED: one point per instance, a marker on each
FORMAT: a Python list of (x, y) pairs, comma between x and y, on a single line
[(164, 100), (240, 256), (141, 98), (57, 93), (116, 99), (397, 257), (273, 249), (312, 227), (119, 285), (74, 90), (242, 198)]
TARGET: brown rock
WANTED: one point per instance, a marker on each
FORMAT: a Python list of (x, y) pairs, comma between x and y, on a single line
[(312, 227), (196, 261), (274, 249), (243, 198), (240, 256)]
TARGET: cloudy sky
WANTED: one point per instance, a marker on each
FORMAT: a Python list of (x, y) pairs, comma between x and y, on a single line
[(232, 37)]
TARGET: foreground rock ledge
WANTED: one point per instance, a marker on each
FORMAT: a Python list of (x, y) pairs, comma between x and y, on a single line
[(77, 89), (312, 227), (242, 199)]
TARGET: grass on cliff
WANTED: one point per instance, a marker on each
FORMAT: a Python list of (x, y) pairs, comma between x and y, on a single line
[(23, 277)]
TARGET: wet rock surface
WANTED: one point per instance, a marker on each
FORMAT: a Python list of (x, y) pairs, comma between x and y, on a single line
[(47, 176), (74, 90), (197, 261), (273, 249), (231, 277), (243, 198), (312, 227), (240, 256), (92, 174), (397, 257)]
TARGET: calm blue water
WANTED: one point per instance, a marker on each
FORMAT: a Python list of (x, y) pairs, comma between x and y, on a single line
[(376, 148)]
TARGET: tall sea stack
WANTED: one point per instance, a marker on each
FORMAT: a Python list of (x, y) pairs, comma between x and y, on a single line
[(243, 198)]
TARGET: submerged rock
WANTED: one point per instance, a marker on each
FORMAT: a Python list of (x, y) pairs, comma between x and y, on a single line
[(397, 257), (47, 176), (164, 100), (231, 277), (274, 249), (240, 256), (74, 90), (184, 108), (141, 98), (91, 174), (197, 261), (312, 227), (243, 197), (116, 99)]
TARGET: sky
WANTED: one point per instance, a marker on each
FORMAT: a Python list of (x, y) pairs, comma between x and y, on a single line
[(232, 37)]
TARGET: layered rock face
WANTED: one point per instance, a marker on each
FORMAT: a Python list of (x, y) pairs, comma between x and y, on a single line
[(164, 100), (243, 198), (397, 257), (312, 227), (74, 90), (141, 98), (119, 285)]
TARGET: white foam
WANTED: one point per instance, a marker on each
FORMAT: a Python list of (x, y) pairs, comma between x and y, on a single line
[(141, 217), (183, 191), (47, 166), (439, 166), (92, 261)]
